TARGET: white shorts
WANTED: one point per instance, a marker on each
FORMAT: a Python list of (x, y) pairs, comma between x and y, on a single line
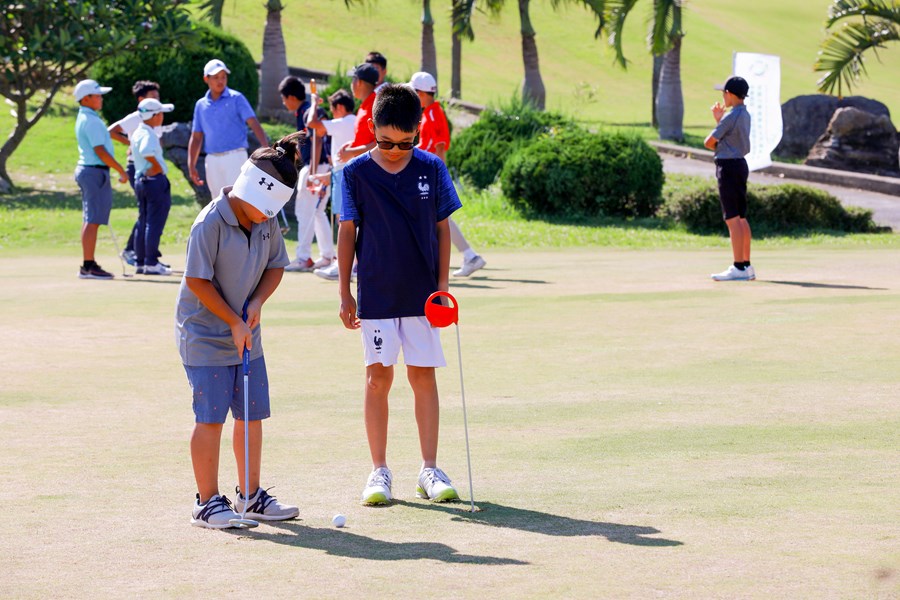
[(223, 169), (421, 343)]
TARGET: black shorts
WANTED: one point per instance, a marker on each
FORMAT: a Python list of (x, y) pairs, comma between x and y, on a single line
[(732, 176)]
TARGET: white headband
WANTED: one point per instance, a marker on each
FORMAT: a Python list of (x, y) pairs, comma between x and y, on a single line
[(261, 190)]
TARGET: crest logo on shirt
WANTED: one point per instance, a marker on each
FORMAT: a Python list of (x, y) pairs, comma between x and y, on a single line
[(269, 185), (424, 187)]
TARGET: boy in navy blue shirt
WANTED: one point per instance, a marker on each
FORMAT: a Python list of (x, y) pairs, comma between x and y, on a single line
[(396, 201)]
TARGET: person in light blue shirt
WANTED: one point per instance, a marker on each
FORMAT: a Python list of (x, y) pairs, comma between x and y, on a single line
[(219, 129), (95, 159), (151, 186)]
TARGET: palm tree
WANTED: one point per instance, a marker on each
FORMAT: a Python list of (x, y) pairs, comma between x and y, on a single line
[(429, 51), (461, 12), (664, 40), (872, 24), (273, 67)]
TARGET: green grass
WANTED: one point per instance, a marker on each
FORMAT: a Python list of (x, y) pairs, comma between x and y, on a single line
[(578, 71)]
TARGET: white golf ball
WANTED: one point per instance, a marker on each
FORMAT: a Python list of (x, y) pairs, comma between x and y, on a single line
[(338, 520)]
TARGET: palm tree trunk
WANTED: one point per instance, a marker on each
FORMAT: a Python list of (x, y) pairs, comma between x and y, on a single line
[(429, 51), (456, 67), (670, 102), (533, 86), (273, 67), (657, 67)]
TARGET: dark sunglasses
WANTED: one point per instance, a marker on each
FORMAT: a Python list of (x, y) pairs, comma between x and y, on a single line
[(390, 145)]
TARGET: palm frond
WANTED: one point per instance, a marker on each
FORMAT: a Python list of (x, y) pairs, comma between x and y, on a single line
[(461, 18), (877, 9), (665, 25), (211, 11), (616, 12), (841, 56)]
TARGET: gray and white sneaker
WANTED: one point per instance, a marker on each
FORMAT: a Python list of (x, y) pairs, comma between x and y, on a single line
[(215, 513), (263, 507), (157, 269), (330, 272), (470, 266), (751, 273), (378, 487), (434, 485), (732, 273)]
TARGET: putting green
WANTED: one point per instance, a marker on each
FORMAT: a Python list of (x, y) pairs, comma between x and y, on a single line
[(636, 429)]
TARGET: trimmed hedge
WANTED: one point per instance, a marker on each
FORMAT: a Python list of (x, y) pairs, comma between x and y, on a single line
[(573, 172), (694, 202), (179, 72), (479, 151)]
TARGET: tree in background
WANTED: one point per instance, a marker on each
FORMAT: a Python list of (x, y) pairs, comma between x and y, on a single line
[(273, 67), (46, 45), (461, 12), (428, 63), (867, 25), (664, 40)]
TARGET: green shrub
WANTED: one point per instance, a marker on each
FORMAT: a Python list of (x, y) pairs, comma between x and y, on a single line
[(576, 173), (179, 72), (694, 202), (479, 151)]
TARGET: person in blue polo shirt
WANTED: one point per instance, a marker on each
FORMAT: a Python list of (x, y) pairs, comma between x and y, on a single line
[(221, 118), (396, 204), (95, 159)]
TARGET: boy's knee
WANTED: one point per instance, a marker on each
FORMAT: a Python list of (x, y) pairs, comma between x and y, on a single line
[(377, 379)]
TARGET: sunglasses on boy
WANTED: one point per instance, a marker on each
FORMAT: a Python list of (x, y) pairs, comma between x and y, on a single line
[(384, 145)]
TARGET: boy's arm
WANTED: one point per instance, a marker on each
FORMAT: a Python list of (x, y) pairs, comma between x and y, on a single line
[(347, 251), (266, 287), (156, 169), (194, 146), (443, 236), (348, 152), (207, 293), (254, 125), (440, 150), (117, 133), (111, 162)]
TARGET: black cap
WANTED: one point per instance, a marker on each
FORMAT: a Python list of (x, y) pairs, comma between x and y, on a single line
[(365, 72), (737, 86)]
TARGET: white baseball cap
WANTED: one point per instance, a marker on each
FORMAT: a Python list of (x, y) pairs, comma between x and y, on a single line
[(214, 66), (423, 82), (89, 87), (151, 106)]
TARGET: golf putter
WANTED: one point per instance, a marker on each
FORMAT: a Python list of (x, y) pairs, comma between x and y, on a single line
[(119, 254), (244, 522), (442, 316)]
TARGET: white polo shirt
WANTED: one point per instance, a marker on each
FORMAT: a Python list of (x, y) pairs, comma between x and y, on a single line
[(218, 250)]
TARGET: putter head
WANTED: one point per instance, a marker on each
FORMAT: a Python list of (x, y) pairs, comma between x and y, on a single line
[(438, 314), (243, 523)]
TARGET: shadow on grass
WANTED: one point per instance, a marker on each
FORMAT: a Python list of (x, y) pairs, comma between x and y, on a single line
[(351, 545), (497, 515), (29, 198), (830, 286)]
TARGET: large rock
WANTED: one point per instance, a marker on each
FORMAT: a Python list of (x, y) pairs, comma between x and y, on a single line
[(857, 141), (174, 140), (806, 118)]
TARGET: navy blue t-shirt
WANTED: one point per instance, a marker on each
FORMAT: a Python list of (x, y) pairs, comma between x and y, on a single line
[(396, 216), (306, 149)]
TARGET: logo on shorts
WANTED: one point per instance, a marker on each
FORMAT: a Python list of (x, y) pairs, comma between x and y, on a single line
[(377, 341)]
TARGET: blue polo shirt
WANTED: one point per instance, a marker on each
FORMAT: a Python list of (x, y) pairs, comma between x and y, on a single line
[(223, 122), (733, 134), (396, 215), (90, 132)]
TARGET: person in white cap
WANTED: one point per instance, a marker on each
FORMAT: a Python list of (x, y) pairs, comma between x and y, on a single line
[(151, 185), (95, 159), (219, 129), (434, 137), (235, 259)]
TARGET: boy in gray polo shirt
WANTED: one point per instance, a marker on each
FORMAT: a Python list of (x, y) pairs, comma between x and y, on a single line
[(731, 142), (235, 254)]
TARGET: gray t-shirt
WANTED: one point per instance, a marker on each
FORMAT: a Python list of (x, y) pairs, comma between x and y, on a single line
[(733, 133), (219, 250)]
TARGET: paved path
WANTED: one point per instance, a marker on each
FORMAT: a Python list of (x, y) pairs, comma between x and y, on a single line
[(886, 208)]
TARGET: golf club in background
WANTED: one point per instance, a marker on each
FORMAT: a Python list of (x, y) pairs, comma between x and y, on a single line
[(440, 315), (243, 522), (119, 254)]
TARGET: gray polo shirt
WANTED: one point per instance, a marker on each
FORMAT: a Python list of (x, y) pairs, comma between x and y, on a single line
[(733, 134), (219, 250)]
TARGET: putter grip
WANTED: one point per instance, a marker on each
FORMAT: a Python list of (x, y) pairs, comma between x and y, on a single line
[(246, 356)]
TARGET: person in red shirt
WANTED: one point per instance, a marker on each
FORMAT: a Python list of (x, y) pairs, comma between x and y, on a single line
[(365, 78), (434, 137)]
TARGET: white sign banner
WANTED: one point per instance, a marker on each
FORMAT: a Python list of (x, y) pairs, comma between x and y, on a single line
[(763, 74)]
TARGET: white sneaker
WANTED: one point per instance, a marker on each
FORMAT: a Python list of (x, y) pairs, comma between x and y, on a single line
[(263, 507), (751, 273), (157, 269), (329, 272), (378, 487), (470, 266), (321, 263), (732, 273), (215, 514), (300, 266), (434, 485)]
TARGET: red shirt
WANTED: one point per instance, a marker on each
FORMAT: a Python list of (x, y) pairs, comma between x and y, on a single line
[(361, 134), (433, 129)]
